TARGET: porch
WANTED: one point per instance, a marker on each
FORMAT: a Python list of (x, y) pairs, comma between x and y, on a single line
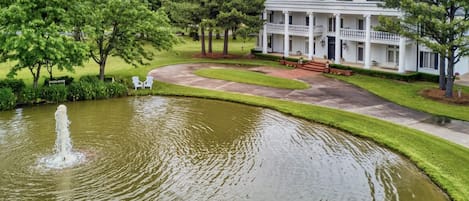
[(377, 67)]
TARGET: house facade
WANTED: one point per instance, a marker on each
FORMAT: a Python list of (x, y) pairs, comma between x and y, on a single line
[(343, 31)]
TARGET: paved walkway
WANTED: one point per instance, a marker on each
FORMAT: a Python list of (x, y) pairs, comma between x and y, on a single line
[(463, 80), (323, 92)]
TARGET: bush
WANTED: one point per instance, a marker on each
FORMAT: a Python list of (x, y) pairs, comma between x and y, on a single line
[(68, 80), (116, 89), (81, 91), (100, 90), (15, 85), (274, 58), (55, 93), (90, 78), (7, 99), (429, 77), (30, 96)]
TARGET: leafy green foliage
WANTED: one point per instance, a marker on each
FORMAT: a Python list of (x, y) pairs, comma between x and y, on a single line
[(249, 77), (440, 25), (30, 96), (122, 28), (7, 99), (54, 93), (16, 85), (408, 77), (34, 37)]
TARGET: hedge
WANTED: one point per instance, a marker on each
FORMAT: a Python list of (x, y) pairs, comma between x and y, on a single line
[(408, 77), (7, 99), (15, 85)]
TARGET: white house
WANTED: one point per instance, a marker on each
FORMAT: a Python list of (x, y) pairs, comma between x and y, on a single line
[(342, 31)]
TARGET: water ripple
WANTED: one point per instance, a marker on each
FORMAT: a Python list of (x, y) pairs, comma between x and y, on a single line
[(154, 148)]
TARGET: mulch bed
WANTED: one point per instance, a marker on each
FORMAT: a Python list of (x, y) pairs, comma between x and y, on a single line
[(439, 95)]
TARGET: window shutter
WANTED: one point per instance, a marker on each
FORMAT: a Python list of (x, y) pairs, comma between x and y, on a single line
[(436, 60), (421, 60)]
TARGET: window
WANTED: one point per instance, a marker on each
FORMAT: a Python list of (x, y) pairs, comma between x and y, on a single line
[(360, 24), (332, 24), (307, 21), (290, 44), (393, 54), (290, 19), (429, 60), (269, 41)]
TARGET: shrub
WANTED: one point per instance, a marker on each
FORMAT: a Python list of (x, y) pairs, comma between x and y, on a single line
[(100, 89), (429, 77), (15, 85), (68, 80), (81, 91), (55, 93), (90, 78), (116, 89), (7, 99), (30, 95)]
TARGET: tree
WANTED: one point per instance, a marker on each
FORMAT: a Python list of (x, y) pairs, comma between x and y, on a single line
[(234, 13), (440, 25), (34, 35), (122, 28)]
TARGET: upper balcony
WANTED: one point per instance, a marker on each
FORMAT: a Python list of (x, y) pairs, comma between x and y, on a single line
[(376, 36), (294, 30)]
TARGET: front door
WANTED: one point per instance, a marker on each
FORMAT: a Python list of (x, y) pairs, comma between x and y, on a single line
[(331, 48)]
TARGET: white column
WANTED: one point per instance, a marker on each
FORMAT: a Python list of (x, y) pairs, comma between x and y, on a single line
[(337, 39), (311, 35), (287, 35), (264, 33), (402, 47), (367, 41)]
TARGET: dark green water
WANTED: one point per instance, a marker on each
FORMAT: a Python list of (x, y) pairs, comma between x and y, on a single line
[(157, 148)]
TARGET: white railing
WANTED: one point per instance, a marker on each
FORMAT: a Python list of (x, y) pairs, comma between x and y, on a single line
[(384, 36), (352, 34), (376, 36), (299, 30)]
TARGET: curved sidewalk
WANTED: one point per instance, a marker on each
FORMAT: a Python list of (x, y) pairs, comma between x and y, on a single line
[(323, 92)]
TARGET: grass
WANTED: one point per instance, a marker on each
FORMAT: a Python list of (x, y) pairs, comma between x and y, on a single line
[(181, 53), (407, 94), (249, 77), (444, 162)]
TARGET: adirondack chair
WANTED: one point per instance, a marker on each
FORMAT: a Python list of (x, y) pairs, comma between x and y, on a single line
[(148, 82), (137, 82)]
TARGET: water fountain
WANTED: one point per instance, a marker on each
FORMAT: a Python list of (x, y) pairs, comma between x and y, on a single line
[(64, 156)]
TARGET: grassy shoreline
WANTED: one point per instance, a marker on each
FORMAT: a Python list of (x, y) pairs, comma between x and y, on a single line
[(444, 162)]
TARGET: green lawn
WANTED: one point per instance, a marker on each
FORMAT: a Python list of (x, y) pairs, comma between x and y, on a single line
[(181, 53), (249, 77), (446, 163), (407, 94)]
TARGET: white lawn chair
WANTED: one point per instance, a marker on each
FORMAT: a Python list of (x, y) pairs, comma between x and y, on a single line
[(148, 83), (137, 82)]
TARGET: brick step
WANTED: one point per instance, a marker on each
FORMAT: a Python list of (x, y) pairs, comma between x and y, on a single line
[(313, 68)]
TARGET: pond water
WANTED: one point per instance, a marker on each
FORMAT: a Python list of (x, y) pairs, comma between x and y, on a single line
[(159, 148)]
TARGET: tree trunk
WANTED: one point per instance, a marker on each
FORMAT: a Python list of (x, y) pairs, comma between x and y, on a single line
[(225, 43), (450, 73), (233, 33), (442, 80), (210, 39), (36, 76), (102, 65), (202, 40)]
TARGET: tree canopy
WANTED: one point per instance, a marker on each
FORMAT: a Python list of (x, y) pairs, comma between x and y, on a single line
[(36, 35), (122, 28), (441, 25)]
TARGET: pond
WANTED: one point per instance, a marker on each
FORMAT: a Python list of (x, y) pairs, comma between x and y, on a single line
[(160, 148)]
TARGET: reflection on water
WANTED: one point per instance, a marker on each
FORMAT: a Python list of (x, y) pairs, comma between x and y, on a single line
[(155, 148)]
